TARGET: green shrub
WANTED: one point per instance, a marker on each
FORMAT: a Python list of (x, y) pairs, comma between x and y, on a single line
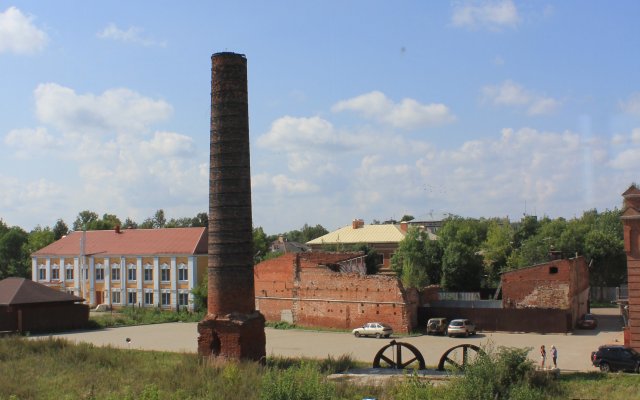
[(304, 382)]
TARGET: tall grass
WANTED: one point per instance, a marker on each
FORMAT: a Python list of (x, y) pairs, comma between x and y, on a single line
[(128, 316), (57, 369)]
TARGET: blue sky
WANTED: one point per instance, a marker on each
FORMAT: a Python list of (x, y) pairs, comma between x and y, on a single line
[(359, 109)]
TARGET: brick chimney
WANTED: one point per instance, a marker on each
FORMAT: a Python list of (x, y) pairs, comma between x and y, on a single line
[(357, 223), (404, 226), (232, 328)]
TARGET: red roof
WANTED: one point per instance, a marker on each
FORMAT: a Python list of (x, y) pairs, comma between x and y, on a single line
[(15, 291), (190, 241)]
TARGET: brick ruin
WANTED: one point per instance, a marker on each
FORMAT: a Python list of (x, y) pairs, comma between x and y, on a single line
[(631, 224), (302, 289), (232, 327)]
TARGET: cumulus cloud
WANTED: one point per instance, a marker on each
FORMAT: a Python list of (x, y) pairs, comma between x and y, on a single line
[(115, 110), (30, 141), (18, 34), (511, 94), (133, 35), (631, 105), (492, 15), (408, 114), (167, 144)]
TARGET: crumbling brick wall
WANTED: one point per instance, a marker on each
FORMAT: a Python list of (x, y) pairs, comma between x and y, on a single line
[(558, 284), (316, 296)]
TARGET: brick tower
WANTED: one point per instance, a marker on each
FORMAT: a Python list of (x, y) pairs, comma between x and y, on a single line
[(232, 328), (631, 223)]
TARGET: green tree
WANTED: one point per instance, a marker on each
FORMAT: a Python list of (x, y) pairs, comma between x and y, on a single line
[(60, 229), (461, 267), (496, 249), (84, 220), (39, 238), (129, 224), (260, 245), (14, 259), (410, 259), (407, 218)]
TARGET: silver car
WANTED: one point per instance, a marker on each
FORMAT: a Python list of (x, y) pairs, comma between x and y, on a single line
[(377, 329), (461, 327)]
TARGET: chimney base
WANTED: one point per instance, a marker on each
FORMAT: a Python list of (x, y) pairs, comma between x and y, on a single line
[(234, 336)]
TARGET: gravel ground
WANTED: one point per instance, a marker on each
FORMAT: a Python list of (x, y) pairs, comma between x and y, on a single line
[(574, 349)]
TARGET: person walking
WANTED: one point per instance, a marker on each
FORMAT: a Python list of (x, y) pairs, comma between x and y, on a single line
[(543, 356), (554, 356)]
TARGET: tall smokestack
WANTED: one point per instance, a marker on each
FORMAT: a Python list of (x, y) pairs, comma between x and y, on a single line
[(232, 327)]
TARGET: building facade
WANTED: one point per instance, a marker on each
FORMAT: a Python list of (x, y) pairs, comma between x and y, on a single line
[(131, 267), (631, 224)]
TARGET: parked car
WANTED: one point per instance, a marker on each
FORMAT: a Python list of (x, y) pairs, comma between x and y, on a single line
[(376, 329), (461, 327), (616, 358), (587, 321), (437, 326)]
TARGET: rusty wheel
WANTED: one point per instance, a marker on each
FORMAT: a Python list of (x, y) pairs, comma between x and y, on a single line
[(458, 357), (391, 356)]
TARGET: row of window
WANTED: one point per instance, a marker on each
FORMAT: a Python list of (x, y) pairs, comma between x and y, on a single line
[(165, 298), (132, 271)]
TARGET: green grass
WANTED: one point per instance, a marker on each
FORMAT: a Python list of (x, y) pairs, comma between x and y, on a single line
[(58, 369), (140, 316)]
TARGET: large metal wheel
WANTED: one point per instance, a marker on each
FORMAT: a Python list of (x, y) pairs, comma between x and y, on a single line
[(458, 357), (391, 356)]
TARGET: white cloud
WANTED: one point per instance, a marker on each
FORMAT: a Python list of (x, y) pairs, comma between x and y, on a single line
[(511, 94), (18, 34), (131, 35), (408, 114), (28, 141), (167, 144), (288, 185), (492, 15), (631, 105), (115, 110)]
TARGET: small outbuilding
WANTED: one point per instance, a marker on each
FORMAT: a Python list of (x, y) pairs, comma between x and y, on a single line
[(27, 306)]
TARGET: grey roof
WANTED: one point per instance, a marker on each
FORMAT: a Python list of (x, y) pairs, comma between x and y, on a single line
[(15, 291)]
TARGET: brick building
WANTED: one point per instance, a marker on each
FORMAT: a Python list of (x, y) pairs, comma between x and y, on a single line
[(308, 289), (383, 238), (631, 223), (129, 267), (558, 284)]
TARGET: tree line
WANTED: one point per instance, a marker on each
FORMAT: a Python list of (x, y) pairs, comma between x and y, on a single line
[(17, 245), (470, 254)]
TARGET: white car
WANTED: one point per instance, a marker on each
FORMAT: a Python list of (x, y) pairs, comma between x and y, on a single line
[(377, 329), (461, 327)]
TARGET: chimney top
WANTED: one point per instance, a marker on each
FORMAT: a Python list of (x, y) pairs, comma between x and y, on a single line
[(117, 228), (357, 223)]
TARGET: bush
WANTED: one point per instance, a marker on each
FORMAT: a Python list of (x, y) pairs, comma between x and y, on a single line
[(304, 382)]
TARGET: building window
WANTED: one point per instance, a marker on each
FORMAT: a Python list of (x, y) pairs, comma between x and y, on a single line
[(165, 273), (115, 297), (131, 272), (183, 273), (42, 273), (55, 272), (68, 269), (99, 272), (148, 297), (132, 297), (183, 298), (115, 272), (166, 298), (148, 272)]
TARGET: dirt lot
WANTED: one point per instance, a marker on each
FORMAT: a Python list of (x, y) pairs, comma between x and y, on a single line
[(573, 349)]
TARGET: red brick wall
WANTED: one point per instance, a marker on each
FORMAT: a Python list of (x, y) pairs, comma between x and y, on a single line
[(317, 296), (631, 222), (539, 287)]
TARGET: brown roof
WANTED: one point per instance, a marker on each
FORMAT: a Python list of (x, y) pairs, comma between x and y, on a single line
[(131, 242), (14, 291)]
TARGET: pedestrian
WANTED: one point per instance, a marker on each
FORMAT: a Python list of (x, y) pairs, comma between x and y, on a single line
[(554, 356), (543, 356)]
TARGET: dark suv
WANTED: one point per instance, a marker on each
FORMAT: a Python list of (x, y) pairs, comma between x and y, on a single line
[(616, 358)]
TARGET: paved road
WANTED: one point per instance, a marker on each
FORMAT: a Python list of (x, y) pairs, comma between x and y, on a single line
[(573, 349)]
